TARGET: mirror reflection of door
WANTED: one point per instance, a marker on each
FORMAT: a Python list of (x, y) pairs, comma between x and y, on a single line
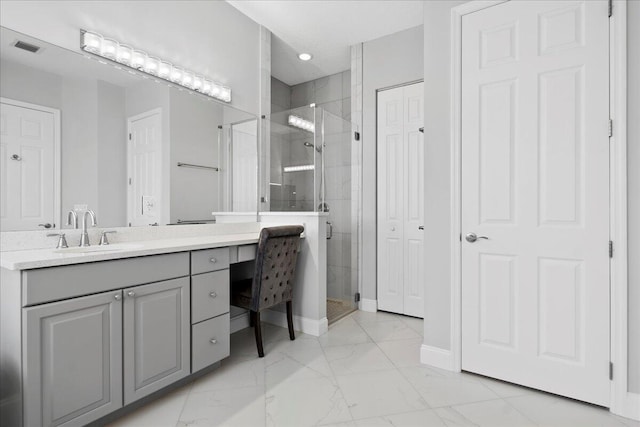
[(28, 149), (145, 169), (244, 165)]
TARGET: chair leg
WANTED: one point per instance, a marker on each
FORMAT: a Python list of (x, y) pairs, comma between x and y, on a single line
[(252, 319), (258, 331), (292, 335)]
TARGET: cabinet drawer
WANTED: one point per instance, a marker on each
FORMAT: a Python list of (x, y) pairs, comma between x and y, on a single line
[(57, 283), (210, 342), (209, 260), (209, 295)]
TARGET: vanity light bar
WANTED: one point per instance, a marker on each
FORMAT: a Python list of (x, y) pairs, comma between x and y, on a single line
[(299, 168), (301, 123), (128, 56)]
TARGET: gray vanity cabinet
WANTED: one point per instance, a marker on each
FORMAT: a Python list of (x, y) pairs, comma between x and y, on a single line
[(73, 360), (157, 338)]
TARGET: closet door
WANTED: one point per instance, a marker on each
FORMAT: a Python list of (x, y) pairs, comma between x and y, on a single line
[(400, 200)]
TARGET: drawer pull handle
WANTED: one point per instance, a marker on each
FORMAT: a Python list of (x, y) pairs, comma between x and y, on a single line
[(117, 297), (131, 294), (213, 294), (213, 260), (213, 341)]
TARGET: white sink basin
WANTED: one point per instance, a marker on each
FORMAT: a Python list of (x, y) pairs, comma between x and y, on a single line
[(105, 248)]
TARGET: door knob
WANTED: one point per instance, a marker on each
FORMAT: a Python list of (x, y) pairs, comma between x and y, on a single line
[(472, 237), (421, 227), (16, 157), (46, 225)]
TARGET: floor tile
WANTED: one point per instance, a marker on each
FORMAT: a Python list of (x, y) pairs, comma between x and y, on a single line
[(402, 353), (501, 388), (389, 331), (233, 373), (235, 407), (493, 413), (379, 393), (344, 332), (305, 403), (414, 323), (355, 358), (438, 390), (425, 418), (363, 317), (546, 409), (301, 359), (162, 412)]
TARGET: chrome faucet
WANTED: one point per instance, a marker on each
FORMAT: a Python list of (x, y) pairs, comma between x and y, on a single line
[(72, 219), (84, 237)]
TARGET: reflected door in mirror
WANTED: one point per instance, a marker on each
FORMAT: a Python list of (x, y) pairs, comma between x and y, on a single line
[(27, 167)]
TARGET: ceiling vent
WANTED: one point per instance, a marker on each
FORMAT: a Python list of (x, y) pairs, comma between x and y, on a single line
[(26, 46)]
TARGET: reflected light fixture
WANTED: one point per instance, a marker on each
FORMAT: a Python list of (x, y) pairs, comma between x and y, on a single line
[(301, 123), (305, 56), (299, 168), (128, 56)]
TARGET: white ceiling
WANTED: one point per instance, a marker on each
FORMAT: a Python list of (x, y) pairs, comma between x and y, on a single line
[(326, 29)]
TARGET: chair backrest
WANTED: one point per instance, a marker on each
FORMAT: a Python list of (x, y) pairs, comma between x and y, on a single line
[(275, 266)]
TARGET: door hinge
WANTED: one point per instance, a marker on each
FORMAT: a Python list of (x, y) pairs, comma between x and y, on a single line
[(610, 8), (129, 137), (610, 249), (610, 128), (129, 181), (356, 135), (357, 297), (460, 237), (611, 371)]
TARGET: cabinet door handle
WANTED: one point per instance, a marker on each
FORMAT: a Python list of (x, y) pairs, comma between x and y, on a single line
[(117, 297), (213, 294), (213, 260), (213, 341), (131, 294)]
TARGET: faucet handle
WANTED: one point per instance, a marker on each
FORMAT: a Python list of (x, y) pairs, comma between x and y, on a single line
[(72, 219), (62, 241), (103, 237)]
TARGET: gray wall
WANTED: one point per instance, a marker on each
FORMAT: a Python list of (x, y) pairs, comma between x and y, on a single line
[(194, 139), (633, 182), (387, 61), (93, 128), (209, 37)]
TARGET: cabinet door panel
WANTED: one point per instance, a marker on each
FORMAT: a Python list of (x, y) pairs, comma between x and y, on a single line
[(73, 360), (156, 336)]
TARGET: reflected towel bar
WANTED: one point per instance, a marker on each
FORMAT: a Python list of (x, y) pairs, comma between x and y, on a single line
[(189, 165)]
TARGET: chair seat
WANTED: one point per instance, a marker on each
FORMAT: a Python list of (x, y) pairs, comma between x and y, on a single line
[(241, 293)]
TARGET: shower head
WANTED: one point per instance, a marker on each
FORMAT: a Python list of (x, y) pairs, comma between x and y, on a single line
[(310, 145)]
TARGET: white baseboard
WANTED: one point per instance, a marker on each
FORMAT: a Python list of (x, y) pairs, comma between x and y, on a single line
[(370, 305), (239, 322), (302, 324), (627, 406), (437, 357)]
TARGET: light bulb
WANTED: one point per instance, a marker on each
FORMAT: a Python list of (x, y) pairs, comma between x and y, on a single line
[(124, 54), (164, 70), (197, 83), (92, 42), (187, 79), (151, 65), (176, 74), (109, 48), (138, 59)]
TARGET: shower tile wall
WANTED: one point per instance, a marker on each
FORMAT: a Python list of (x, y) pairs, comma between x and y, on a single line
[(333, 94)]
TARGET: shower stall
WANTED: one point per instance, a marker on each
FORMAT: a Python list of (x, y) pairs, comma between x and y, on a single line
[(313, 167)]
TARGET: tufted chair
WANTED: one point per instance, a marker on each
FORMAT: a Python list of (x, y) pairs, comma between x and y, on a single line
[(272, 281)]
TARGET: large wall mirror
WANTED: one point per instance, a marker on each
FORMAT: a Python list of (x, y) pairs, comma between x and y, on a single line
[(81, 134)]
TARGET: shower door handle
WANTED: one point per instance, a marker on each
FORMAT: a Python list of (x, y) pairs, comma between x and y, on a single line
[(329, 230)]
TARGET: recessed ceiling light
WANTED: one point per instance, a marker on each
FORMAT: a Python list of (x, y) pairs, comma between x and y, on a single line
[(305, 56)]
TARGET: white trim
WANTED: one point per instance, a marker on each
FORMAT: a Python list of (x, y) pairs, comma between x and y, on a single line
[(369, 305), (239, 322), (302, 324), (57, 169), (622, 402), (438, 357)]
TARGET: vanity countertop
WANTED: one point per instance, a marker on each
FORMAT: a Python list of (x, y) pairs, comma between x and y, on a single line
[(39, 258)]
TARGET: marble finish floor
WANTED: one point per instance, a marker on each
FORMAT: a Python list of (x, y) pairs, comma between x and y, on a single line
[(365, 371)]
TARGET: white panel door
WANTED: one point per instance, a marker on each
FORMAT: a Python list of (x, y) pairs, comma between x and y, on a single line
[(400, 200), (27, 149), (535, 168), (145, 169)]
